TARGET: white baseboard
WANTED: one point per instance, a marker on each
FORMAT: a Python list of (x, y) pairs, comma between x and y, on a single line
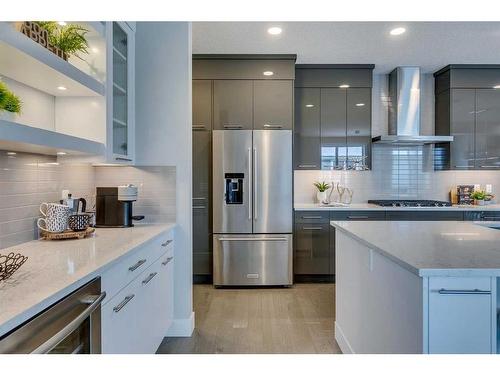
[(181, 327), (342, 340)]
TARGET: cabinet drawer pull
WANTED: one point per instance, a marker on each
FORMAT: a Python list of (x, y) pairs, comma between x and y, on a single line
[(357, 217), (463, 166), (312, 228), (169, 259), (123, 159), (233, 126), (149, 278), (199, 207), (199, 126), (166, 243), (126, 300), (490, 166), (311, 217), (271, 126), (307, 165), (490, 218), (463, 291), (137, 265)]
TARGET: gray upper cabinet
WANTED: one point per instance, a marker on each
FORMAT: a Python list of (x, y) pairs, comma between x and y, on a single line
[(468, 108), (307, 132), (344, 123), (333, 128), (487, 129), (359, 129), (233, 104), (273, 104), (202, 104)]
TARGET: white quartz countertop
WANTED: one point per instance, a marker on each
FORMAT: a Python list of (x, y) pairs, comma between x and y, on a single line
[(56, 268), (432, 248), (373, 207)]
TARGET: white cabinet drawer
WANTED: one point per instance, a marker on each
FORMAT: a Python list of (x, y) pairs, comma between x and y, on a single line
[(121, 274), (460, 315)]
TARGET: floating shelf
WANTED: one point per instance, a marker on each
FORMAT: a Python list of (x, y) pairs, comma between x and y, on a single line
[(28, 62), (23, 138)]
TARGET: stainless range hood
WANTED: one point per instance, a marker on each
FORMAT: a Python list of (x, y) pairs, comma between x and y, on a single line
[(404, 110)]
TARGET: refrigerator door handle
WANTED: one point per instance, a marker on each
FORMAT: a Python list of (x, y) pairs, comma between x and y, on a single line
[(255, 163), (253, 239), (250, 184)]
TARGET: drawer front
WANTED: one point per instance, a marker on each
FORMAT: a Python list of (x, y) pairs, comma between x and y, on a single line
[(309, 217), (425, 215), (121, 274), (482, 215), (357, 215), (460, 315)]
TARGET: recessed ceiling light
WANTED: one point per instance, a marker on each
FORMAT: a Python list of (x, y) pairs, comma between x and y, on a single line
[(344, 86), (309, 105), (274, 30), (11, 153), (95, 49), (61, 23), (398, 31), (360, 104), (61, 153), (62, 88), (496, 87), (268, 73)]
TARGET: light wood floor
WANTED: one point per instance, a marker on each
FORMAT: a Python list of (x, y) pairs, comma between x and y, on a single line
[(292, 320)]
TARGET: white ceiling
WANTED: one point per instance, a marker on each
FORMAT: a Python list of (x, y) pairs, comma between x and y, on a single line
[(430, 45)]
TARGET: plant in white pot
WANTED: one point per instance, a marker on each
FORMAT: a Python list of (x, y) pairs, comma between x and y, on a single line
[(479, 197), (321, 193)]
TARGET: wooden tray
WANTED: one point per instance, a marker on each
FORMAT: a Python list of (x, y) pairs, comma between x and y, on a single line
[(67, 234)]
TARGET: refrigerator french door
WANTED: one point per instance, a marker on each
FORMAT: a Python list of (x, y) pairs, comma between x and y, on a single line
[(252, 207)]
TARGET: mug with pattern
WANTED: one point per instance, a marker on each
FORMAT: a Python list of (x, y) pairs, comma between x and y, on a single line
[(56, 217)]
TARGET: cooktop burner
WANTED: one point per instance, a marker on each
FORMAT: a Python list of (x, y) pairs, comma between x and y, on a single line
[(409, 203)]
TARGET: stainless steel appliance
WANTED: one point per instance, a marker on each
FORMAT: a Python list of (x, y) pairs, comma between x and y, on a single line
[(409, 203), (404, 110), (252, 207), (70, 326), (114, 206)]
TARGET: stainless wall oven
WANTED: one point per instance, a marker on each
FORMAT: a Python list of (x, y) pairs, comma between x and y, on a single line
[(70, 326)]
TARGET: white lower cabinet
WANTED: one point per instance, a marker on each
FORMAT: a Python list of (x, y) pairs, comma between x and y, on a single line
[(137, 318), (461, 315)]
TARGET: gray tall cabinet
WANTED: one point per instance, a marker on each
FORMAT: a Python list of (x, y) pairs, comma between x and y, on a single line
[(332, 117), (467, 106), (231, 92)]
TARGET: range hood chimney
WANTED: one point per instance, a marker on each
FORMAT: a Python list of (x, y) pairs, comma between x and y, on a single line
[(404, 110)]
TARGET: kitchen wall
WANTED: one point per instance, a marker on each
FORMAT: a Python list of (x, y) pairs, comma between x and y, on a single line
[(26, 180), (398, 172)]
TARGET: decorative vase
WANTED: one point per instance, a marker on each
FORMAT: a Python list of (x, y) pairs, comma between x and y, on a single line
[(479, 202), (321, 196)]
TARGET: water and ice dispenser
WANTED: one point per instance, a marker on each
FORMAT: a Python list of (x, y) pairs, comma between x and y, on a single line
[(234, 187)]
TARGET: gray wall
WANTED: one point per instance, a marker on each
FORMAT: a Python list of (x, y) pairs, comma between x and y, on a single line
[(163, 137)]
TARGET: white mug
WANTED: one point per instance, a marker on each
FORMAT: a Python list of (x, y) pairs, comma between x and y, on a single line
[(52, 225), (56, 217)]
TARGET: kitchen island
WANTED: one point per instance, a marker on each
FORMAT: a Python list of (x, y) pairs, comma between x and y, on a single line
[(417, 287)]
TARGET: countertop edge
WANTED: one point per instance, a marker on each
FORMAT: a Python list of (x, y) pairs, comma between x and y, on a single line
[(27, 314), (372, 207)]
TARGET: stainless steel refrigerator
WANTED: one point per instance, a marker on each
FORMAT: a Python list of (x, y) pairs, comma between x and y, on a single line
[(252, 207)]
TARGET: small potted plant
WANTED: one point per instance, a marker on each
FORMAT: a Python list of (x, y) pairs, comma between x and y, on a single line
[(69, 38), (479, 197), (9, 102), (321, 193)]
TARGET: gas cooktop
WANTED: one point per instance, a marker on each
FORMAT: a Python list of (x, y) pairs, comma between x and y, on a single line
[(409, 203)]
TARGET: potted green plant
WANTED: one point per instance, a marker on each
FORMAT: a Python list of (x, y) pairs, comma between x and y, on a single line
[(9, 102), (321, 193), (479, 197), (69, 38)]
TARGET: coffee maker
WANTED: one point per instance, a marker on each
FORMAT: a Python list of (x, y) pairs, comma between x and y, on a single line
[(114, 206)]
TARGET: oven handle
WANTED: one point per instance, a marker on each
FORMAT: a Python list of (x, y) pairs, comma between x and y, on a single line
[(252, 239), (48, 345)]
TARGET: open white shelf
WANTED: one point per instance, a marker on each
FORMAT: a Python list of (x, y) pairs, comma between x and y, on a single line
[(23, 138), (28, 62)]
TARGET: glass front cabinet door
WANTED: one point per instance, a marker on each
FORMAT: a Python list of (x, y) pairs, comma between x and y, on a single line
[(120, 93)]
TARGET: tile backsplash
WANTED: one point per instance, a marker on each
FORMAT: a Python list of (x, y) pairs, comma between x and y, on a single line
[(398, 172), (26, 180)]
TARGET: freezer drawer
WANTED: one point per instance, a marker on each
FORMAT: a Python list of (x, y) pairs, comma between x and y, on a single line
[(252, 259)]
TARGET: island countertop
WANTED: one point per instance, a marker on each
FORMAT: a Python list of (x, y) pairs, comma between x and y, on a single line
[(432, 248), (56, 268)]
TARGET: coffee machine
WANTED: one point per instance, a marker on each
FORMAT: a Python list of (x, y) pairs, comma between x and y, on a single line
[(114, 206)]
